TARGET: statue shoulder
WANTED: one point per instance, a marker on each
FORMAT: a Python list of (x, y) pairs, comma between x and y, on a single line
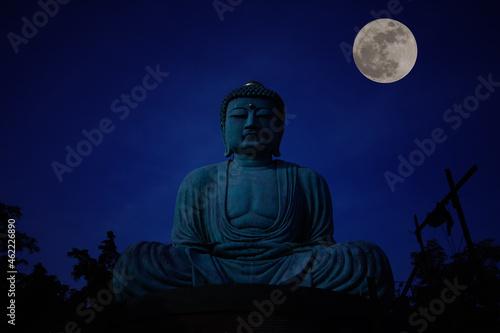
[(312, 179), (201, 176), (309, 173), (306, 176)]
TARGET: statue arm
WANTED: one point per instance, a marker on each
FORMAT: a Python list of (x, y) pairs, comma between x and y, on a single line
[(190, 208), (318, 216)]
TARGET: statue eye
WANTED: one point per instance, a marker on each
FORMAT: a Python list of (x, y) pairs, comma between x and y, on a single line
[(264, 115), (238, 115)]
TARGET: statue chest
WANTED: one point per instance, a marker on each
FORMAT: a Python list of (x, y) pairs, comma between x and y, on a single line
[(252, 199)]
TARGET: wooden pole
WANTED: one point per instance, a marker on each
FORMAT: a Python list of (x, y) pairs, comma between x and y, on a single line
[(458, 207), (456, 187), (419, 235), (417, 263), (410, 280)]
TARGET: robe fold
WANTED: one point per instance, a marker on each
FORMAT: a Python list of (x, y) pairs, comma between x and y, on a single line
[(297, 249)]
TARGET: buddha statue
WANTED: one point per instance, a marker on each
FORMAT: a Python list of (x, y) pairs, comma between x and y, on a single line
[(253, 219)]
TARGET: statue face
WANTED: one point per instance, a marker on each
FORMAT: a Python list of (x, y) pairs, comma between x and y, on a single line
[(252, 127)]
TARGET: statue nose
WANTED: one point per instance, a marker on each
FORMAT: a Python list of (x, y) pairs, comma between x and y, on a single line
[(251, 121)]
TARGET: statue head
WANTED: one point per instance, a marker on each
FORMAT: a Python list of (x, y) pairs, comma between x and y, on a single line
[(252, 121)]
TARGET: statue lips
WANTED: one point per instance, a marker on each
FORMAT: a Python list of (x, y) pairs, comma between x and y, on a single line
[(248, 133)]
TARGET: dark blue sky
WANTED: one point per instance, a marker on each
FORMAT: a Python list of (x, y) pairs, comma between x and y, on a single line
[(66, 77)]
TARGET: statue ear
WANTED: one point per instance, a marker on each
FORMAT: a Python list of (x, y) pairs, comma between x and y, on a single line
[(276, 151), (228, 152)]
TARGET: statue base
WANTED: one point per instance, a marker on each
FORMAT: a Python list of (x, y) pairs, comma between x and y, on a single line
[(240, 308)]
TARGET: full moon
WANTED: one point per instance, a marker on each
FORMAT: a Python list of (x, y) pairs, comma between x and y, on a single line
[(385, 50)]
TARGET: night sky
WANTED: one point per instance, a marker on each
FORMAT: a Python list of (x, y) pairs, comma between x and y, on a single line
[(73, 74)]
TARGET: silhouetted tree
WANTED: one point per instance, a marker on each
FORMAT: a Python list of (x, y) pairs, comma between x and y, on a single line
[(479, 270), (42, 301), (475, 307), (97, 272), (23, 241), (35, 293), (38, 294), (431, 271), (82, 306)]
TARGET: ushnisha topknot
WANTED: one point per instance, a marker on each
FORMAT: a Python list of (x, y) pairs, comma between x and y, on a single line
[(251, 89)]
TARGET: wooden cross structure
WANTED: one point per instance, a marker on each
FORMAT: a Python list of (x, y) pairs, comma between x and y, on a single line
[(438, 216)]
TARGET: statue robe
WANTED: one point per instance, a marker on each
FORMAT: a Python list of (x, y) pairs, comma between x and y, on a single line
[(297, 249)]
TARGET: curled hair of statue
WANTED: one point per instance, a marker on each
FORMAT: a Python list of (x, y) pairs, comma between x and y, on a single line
[(251, 89)]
